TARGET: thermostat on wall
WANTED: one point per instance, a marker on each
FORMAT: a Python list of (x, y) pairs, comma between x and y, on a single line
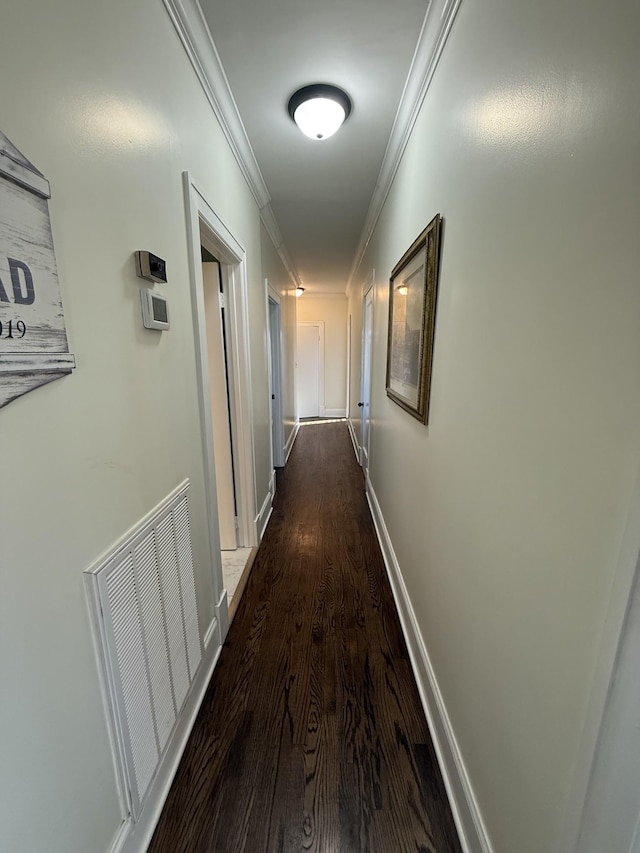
[(155, 310), (151, 267)]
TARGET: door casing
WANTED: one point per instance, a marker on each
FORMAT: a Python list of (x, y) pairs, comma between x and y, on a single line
[(276, 407), (205, 228), (365, 387)]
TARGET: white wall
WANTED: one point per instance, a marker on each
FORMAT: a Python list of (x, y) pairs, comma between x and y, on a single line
[(506, 512), (332, 310), (104, 101), (274, 270)]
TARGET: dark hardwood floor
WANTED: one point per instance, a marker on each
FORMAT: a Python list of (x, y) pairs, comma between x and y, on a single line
[(311, 735)]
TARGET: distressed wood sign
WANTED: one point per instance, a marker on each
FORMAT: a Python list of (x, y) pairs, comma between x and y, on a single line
[(33, 337)]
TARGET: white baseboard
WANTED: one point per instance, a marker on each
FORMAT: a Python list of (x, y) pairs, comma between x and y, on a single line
[(117, 845), (354, 440), (289, 445), (212, 634), (267, 508), (222, 614), (335, 413), (473, 834), (136, 837)]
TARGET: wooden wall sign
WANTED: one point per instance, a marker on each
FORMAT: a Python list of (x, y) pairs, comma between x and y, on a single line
[(33, 337)]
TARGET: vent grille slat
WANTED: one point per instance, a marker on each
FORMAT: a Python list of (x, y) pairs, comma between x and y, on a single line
[(130, 655), (155, 637), (149, 626), (175, 622), (187, 583)]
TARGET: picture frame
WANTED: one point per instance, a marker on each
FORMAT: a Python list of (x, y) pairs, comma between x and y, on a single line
[(413, 290)]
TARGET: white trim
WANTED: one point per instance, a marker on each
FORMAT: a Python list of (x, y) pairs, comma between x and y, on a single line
[(365, 393), (267, 507), (193, 32), (211, 632), (274, 341), (354, 440), (335, 413), (232, 258), (120, 838), (610, 639), (275, 235), (272, 293), (136, 837), (235, 278), (195, 36), (347, 402), (222, 616), (466, 812), (290, 441), (433, 36)]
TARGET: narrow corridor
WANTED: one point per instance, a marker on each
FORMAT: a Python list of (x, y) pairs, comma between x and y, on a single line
[(311, 735)]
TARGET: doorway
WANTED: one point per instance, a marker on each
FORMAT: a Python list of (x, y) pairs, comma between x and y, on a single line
[(365, 389), (310, 369), (276, 411), (219, 394), (236, 558), (226, 307)]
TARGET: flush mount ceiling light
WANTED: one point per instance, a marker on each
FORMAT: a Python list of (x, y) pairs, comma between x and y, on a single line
[(299, 291), (319, 110)]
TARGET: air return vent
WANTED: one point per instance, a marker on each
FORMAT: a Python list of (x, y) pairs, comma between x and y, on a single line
[(143, 603)]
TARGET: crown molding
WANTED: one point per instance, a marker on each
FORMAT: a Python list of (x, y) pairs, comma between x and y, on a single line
[(193, 32), (196, 38), (273, 230), (433, 36)]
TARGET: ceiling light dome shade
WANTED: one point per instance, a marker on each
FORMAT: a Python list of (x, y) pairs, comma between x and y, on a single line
[(319, 110)]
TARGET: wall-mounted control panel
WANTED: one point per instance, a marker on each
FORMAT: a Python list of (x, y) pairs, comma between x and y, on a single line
[(155, 310), (151, 267)]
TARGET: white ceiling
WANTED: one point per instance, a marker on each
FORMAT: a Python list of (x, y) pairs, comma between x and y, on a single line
[(320, 191)]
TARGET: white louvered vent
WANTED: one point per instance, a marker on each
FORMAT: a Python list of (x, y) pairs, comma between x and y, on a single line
[(144, 600)]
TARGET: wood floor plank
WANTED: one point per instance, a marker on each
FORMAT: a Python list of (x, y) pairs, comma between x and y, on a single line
[(311, 736)]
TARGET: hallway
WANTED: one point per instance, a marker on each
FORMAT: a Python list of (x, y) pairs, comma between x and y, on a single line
[(311, 735)]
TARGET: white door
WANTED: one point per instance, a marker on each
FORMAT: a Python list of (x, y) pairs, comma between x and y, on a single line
[(365, 391), (275, 378), (218, 392), (308, 373)]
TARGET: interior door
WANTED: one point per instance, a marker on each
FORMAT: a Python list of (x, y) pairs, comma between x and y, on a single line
[(218, 391), (308, 372), (365, 391), (275, 381)]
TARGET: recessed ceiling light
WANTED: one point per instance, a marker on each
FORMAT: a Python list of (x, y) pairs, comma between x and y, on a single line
[(319, 110)]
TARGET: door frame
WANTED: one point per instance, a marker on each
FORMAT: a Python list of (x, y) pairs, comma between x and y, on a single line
[(365, 394), (347, 408), (321, 399), (275, 375), (611, 638), (204, 227), (218, 365)]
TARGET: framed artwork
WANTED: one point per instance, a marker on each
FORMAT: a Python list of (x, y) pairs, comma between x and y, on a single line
[(33, 337), (413, 289)]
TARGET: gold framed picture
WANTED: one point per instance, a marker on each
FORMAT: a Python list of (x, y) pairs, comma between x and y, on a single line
[(413, 290)]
